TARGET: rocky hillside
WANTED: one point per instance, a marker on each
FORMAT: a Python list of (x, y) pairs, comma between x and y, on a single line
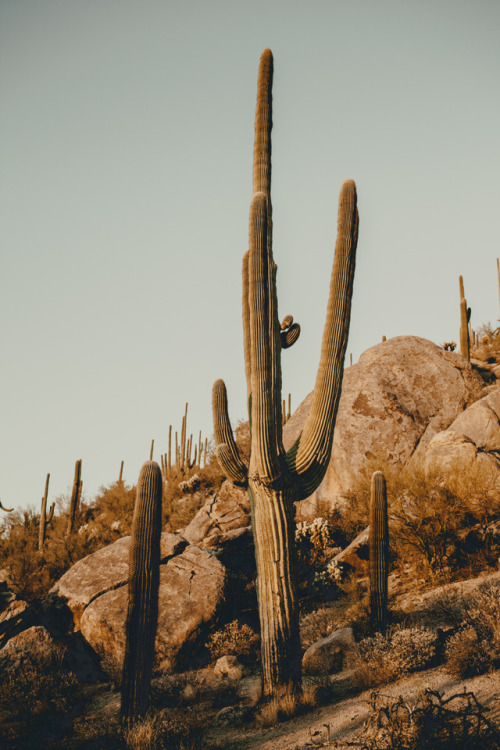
[(431, 421)]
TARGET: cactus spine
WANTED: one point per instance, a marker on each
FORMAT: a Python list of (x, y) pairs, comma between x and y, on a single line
[(75, 495), (142, 616), (274, 478), (379, 552), (120, 477), (464, 322)]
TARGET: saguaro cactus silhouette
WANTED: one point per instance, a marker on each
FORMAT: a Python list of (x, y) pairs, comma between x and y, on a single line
[(379, 552), (142, 616), (75, 496), (275, 478), (464, 322), (44, 519)]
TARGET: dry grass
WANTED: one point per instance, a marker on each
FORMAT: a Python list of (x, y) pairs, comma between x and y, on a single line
[(286, 705)]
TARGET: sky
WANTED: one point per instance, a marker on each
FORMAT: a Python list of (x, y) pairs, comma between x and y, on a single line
[(126, 136)]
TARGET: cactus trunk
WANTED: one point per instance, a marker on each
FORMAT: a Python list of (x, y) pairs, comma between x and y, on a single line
[(275, 478), (464, 322), (43, 516), (379, 553), (75, 495), (274, 535), (142, 616)]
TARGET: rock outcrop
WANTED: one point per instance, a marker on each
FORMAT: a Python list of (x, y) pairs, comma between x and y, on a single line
[(223, 524), (399, 395), (470, 446), (328, 655), (192, 593)]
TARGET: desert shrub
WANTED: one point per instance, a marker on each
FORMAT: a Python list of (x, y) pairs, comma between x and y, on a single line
[(488, 348), (191, 688), (384, 658), (318, 624), (33, 692), (475, 648), (349, 519), (113, 667), (235, 639), (110, 515), (99, 732), (431, 723), (32, 573), (316, 545), (468, 655)]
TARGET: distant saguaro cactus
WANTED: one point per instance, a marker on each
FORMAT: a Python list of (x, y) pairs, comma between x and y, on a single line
[(379, 552), (464, 322), (75, 495), (44, 519), (275, 478), (142, 616)]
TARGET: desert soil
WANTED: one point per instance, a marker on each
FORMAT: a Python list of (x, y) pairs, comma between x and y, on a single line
[(345, 719)]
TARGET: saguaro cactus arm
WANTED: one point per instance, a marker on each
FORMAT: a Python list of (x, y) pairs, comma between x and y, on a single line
[(51, 514), (310, 456), (290, 336), (227, 450)]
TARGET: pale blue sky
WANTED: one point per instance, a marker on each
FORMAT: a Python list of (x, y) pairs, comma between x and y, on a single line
[(126, 163)]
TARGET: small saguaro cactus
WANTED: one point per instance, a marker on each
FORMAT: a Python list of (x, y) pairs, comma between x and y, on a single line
[(75, 496), (275, 479), (144, 581), (464, 322), (379, 553), (44, 519)]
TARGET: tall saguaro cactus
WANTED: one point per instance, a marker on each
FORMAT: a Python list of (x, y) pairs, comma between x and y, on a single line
[(75, 495), (275, 478), (464, 322), (379, 552), (44, 519), (142, 616)]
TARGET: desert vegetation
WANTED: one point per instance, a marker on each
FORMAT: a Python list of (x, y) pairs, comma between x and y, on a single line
[(397, 580)]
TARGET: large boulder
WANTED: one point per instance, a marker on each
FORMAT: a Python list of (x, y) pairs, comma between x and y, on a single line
[(399, 395), (225, 515), (191, 594), (470, 446), (103, 571), (328, 655), (224, 525)]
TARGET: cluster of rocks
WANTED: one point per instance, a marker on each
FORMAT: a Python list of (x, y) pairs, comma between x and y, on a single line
[(405, 399)]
